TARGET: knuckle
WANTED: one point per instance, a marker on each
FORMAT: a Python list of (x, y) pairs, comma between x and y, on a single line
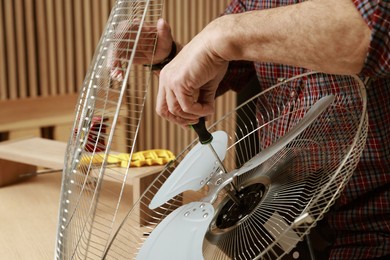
[(160, 112), (186, 107)]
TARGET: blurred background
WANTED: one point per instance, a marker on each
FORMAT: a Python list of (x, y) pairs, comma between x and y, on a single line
[(46, 47)]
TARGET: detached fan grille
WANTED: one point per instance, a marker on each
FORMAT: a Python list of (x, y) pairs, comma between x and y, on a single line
[(289, 192), (106, 123)]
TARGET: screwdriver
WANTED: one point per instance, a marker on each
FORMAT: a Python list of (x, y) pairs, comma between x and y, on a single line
[(206, 138)]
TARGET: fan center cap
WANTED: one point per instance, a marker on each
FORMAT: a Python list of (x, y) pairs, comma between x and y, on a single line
[(231, 213)]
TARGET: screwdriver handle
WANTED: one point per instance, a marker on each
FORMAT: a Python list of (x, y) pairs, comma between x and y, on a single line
[(200, 128)]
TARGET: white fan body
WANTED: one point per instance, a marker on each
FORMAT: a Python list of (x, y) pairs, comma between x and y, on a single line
[(194, 171)]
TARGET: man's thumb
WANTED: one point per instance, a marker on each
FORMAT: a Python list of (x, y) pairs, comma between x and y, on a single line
[(163, 29)]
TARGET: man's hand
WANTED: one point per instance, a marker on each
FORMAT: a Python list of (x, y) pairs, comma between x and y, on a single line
[(123, 42), (189, 82)]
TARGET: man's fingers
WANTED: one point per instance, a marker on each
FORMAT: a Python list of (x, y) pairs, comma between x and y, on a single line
[(175, 109), (163, 111), (195, 103)]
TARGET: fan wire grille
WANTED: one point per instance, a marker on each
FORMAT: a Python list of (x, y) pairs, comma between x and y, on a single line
[(107, 119)]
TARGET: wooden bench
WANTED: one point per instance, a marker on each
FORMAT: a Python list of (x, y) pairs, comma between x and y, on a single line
[(21, 157)]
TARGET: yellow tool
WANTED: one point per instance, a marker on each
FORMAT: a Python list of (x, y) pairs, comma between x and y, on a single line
[(138, 159)]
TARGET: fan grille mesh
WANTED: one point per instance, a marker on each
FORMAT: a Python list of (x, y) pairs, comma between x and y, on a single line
[(89, 206)]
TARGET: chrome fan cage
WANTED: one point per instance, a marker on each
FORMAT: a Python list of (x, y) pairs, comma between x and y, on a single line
[(107, 120)]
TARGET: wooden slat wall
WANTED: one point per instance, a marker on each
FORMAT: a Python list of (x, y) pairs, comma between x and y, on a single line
[(46, 47)]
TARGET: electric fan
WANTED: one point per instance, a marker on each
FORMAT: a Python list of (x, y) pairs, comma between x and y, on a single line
[(93, 193), (255, 186)]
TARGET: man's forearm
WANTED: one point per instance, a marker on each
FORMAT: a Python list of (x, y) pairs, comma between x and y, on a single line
[(323, 35)]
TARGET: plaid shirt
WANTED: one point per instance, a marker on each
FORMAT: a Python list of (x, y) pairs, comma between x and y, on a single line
[(361, 219)]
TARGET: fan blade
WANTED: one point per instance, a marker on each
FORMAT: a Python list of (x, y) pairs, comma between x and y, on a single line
[(194, 171), (180, 235), (311, 115)]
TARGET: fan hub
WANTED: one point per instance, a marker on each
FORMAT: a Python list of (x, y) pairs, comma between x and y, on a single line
[(232, 213)]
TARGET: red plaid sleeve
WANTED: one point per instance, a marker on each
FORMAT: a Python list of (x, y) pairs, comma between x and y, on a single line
[(239, 72), (377, 16)]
